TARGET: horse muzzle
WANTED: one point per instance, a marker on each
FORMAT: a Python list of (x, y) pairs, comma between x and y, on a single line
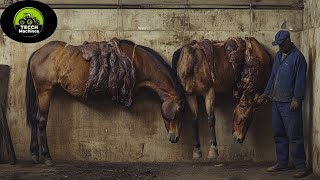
[(239, 137), (173, 138)]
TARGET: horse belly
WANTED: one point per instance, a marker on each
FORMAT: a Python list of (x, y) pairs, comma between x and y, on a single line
[(73, 73), (224, 80), (224, 86)]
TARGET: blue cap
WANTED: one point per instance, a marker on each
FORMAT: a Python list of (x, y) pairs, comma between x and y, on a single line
[(280, 37)]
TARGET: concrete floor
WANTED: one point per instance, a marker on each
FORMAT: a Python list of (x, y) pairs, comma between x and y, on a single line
[(245, 170)]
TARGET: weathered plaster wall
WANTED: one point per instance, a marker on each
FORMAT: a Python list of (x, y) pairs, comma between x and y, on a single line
[(310, 45), (102, 131)]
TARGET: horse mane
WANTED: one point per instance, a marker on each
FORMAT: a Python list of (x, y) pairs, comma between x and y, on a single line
[(151, 51), (173, 72), (160, 60), (127, 42)]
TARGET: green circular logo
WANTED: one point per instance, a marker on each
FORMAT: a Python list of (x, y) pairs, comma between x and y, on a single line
[(28, 22)]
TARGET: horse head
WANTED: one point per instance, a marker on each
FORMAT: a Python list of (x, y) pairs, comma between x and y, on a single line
[(243, 115), (249, 87), (172, 116)]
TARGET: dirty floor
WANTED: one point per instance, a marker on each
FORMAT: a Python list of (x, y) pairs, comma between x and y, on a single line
[(245, 170)]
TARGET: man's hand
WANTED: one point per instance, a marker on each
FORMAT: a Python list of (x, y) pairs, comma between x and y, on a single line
[(262, 98), (294, 105)]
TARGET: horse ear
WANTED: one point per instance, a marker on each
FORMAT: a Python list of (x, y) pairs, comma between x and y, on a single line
[(169, 110)]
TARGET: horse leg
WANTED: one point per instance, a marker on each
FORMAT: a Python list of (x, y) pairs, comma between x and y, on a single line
[(209, 100), (34, 146), (42, 116), (193, 104)]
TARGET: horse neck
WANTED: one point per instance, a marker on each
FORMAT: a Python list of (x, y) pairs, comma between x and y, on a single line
[(151, 73)]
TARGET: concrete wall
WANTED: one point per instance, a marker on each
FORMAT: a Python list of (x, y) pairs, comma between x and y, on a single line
[(102, 131), (310, 45)]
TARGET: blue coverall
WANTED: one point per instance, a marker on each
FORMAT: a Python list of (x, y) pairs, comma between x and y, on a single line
[(286, 83)]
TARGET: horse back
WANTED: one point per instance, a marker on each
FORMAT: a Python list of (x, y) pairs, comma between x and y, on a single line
[(195, 74), (55, 63)]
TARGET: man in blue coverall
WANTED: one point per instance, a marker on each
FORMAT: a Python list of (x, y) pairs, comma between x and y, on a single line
[(286, 88)]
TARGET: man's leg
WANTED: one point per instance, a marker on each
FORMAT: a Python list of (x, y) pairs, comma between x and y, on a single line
[(294, 126), (280, 136)]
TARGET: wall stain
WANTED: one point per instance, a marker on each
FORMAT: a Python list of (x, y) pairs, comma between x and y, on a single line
[(177, 21), (310, 85), (83, 151), (2, 41)]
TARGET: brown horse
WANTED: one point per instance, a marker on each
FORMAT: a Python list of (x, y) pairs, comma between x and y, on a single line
[(220, 67), (58, 64)]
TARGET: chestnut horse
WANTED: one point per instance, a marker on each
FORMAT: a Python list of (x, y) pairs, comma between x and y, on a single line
[(201, 76), (58, 64)]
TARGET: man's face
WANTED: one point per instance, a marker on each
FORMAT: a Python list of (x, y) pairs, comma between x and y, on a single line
[(285, 46)]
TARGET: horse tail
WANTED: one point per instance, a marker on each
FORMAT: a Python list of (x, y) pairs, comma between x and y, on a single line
[(31, 96), (174, 73)]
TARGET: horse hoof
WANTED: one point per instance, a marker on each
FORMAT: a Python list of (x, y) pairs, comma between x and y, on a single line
[(197, 153), (213, 152), (48, 162), (35, 159)]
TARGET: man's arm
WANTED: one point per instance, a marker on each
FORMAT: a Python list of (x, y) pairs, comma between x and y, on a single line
[(300, 81), (272, 76)]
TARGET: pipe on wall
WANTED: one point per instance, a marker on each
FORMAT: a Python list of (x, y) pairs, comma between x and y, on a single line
[(298, 6)]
